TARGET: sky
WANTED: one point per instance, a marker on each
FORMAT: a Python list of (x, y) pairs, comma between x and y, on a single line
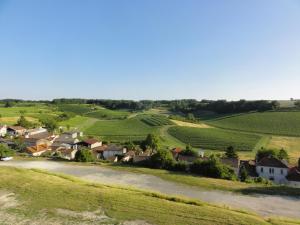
[(150, 49)]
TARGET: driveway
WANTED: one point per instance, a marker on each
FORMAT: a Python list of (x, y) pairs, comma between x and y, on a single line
[(262, 204)]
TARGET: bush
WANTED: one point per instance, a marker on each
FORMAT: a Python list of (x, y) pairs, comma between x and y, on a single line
[(5, 151), (212, 168), (180, 166), (84, 155), (189, 151), (163, 159)]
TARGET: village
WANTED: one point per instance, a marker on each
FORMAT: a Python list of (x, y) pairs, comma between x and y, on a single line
[(39, 142)]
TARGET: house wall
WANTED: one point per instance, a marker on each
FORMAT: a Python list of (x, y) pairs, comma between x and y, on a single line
[(278, 175), (3, 131), (107, 154), (97, 144)]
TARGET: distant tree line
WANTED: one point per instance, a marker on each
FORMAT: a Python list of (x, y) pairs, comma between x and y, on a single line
[(185, 106)]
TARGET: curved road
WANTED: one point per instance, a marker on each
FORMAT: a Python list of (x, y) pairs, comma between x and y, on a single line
[(262, 204)]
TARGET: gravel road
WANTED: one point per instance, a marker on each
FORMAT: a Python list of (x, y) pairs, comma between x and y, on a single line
[(262, 204)]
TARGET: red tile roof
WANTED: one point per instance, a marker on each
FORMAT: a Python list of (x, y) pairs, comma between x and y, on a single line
[(91, 141)]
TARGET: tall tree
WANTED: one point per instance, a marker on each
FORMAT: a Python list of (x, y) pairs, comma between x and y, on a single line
[(282, 154), (231, 152), (152, 142)]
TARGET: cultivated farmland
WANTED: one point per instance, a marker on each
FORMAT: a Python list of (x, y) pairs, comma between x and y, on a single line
[(279, 123), (121, 130), (215, 139), (155, 120)]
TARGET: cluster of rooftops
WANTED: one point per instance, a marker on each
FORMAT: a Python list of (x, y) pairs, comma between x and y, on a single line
[(39, 141)]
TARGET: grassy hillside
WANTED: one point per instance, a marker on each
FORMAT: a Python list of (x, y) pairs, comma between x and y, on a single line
[(213, 138), (66, 200), (279, 123), (108, 114), (121, 130)]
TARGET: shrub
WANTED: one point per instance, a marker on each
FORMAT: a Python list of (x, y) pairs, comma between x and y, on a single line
[(265, 153), (212, 168), (162, 159), (5, 151), (189, 151), (231, 152), (180, 166), (84, 155)]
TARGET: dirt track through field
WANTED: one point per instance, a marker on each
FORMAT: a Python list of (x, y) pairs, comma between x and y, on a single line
[(262, 204)]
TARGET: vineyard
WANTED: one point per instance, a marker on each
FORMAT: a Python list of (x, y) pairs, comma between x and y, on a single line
[(214, 139), (279, 123), (156, 120), (121, 130)]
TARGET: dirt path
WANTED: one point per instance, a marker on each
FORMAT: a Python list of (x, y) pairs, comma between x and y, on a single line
[(187, 124), (261, 204)]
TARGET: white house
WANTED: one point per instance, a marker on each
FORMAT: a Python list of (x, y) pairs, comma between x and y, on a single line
[(3, 130), (273, 169), (16, 130), (108, 151)]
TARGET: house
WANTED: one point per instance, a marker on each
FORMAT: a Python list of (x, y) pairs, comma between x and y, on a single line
[(232, 162), (67, 153), (128, 156), (175, 152), (64, 140), (272, 169), (16, 131), (3, 130), (293, 177), (107, 151), (39, 138), (90, 143), (35, 131), (74, 134), (249, 166), (37, 150)]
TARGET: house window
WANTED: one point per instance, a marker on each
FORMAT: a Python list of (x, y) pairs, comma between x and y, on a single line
[(262, 169), (281, 171), (270, 170)]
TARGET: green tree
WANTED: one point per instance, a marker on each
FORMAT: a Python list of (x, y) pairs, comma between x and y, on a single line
[(84, 155), (152, 142), (265, 153), (5, 151), (23, 122), (282, 154), (189, 151), (191, 117), (243, 174), (8, 104), (49, 123), (162, 159), (19, 145), (231, 152)]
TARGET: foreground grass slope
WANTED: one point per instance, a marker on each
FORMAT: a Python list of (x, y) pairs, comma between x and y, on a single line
[(278, 123), (215, 139), (36, 200)]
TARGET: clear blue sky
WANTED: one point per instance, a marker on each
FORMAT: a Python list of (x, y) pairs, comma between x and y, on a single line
[(150, 49)]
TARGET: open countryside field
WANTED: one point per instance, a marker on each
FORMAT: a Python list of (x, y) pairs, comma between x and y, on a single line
[(291, 144), (215, 139), (132, 129), (155, 120), (277, 123), (93, 111), (61, 199)]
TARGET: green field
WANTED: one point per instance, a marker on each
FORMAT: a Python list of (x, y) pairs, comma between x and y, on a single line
[(155, 120), (66, 200), (78, 109), (121, 130), (278, 123), (215, 139), (108, 114)]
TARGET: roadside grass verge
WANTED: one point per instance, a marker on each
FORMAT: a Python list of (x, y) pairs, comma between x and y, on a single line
[(41, 192)]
